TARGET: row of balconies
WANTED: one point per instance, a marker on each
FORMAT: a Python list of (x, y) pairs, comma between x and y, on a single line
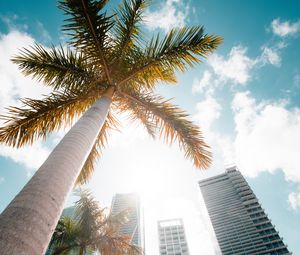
[(257, 248), (210, 181)]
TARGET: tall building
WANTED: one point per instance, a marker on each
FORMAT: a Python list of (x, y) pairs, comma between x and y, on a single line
[(172, 239), (240, 223), (135, 226)]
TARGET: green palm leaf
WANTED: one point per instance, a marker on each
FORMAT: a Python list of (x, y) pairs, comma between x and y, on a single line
[(65, 236), (56, 67), (38, 118), (179, 49), (88, 29), (127, 28)]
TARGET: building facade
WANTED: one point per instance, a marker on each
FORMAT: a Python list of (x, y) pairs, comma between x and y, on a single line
[(239, 222), (172, 240), (134, 228)]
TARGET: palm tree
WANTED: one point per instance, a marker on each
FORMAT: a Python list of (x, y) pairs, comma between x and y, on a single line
[(91, 230), (109, 67)]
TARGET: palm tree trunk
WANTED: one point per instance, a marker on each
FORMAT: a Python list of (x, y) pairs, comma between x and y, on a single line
[(27, 224)]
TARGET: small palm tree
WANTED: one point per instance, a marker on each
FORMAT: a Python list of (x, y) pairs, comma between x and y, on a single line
[(109, 67), (91, 230)]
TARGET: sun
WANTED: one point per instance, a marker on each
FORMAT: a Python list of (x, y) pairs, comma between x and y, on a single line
[(150, 184)]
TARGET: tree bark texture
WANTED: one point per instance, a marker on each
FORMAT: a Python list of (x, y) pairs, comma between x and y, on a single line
[(27, 224)]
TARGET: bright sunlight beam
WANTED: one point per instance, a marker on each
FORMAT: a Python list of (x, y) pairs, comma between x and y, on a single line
[(165, 181)]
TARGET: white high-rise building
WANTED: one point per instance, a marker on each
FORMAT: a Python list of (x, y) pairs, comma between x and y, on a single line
[(172, 240), (135, 226), (240, 223)]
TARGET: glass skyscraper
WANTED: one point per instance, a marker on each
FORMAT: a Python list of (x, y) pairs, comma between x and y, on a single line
[(172, 239), (239, 222), (134, 227)]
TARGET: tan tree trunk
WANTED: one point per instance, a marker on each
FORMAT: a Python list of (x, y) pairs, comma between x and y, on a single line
[(27, 224)]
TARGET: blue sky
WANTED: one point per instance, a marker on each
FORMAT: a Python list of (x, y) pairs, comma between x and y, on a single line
[(245, 97)]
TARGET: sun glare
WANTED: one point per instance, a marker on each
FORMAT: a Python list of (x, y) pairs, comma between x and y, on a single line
[(148, 183)]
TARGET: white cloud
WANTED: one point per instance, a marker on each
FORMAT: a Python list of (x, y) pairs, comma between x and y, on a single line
[(208, 111), (294, 200), (285, 28), (14, 86), (267, 136), (202, 84), (238, 65), (236, 68), (30, 156), (270, 56), (171, 13)]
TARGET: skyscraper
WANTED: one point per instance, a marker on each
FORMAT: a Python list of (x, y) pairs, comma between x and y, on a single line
[(134, 227), (172, 239), (240, 224)]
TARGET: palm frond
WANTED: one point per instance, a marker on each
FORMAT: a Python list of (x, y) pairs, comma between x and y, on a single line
[(111, 123), (172, 124), (147, 78), (179, 49), (117, 245), (127, 30), (88, 28), (38, 118), (64, 237), (136, 114), (91, 228), (87, 210), (62, 249), (117, 220), (56, 67), (97, 228)]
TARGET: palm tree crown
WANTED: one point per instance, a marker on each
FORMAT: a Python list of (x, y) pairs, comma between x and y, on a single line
[(91, 229), (110, 51)]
